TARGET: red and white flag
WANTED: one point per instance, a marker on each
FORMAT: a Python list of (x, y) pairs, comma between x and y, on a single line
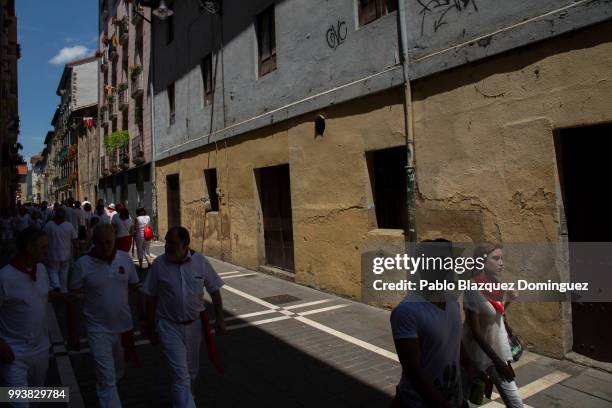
[(88, 122)]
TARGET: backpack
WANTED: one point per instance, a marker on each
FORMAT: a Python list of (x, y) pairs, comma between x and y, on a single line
[(148, 233)]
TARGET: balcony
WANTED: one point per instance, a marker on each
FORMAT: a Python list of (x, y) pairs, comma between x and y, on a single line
[(137, 84), (138, 150), (113, 162), (124, 158), (123, 98), (104, 61), (112, 53), (124, 29), (137, 13), (104, 167), (112, 107)]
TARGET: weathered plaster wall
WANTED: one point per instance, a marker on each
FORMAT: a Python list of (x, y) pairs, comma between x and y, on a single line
[(310, 73), (445, 34), (485, 156), (330, 190)]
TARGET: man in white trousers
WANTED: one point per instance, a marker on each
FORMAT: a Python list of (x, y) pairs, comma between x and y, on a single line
[(175, 301), (24, 294), (105, 278), (62, 245)]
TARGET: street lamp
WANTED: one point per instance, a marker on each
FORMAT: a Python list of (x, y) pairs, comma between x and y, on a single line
[(163, 12)]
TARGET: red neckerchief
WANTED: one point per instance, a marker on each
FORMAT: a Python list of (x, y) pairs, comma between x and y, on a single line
[(495, 297), (129, 348), (18, 264), (94, 254), (58, 220), (211, 345)]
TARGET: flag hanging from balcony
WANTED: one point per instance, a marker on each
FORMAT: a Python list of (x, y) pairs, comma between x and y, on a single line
[(88, 122)]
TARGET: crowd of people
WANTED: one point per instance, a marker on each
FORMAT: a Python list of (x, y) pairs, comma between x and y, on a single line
[(75, 254)]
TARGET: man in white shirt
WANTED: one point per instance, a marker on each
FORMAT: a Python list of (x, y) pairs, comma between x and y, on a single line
[(106, 278), (62, 243), (24, 292), (71, 213), (22, 220), (175, 288)]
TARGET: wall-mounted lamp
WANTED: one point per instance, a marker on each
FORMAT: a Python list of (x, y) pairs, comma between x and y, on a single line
[(319, 125), (162, 12)]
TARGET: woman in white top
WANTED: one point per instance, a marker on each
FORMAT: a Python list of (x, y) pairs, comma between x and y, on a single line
[(124, 229), (484, 333), (142, 245)]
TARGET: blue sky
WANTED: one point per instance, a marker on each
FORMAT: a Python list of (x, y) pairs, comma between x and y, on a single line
[(51, 33)]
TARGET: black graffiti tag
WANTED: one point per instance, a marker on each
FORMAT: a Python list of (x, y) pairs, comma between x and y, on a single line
[(336, 34), (439, 10)]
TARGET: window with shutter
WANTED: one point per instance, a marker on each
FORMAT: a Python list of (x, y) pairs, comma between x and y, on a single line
[(370, 10), (266, 41)]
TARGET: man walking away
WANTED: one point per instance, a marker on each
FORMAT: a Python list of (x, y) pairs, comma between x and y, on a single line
[(62, 245)]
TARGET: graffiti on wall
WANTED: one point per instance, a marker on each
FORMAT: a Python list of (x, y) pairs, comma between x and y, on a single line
[(434, 13), (336, 34)]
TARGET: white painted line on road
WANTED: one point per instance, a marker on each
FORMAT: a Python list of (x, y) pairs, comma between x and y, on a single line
[(250, 297), (316, 302), (227, 273), (244, 316), (543, 383), (533, 387), (239, 276), (64, 367), (257, 323), (324, 309), (375, 349)]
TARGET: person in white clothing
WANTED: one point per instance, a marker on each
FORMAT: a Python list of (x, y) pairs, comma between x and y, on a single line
[(175, 306), (124, 228), (484, 331), (24, 294), (142, 245), (71, 215), (101, 215), (36, 221), (22, 220), (106, 278), (81, 221), (62, 245)]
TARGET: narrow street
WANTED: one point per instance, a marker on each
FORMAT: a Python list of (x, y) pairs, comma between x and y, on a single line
[(291, 346)]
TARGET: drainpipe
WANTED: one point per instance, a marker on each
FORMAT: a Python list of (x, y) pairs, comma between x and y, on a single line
[(152, 99), (411, 236)]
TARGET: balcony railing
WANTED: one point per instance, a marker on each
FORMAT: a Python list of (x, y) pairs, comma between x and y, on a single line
[(113, 162), (124, 29), (124, 158), (137, 84), (104, 167), (138, 150), (112, 108), (104, 61), (123, 99)]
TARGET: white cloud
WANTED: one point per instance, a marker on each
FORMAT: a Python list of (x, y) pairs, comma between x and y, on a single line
[(70, 40), (68, 54)]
